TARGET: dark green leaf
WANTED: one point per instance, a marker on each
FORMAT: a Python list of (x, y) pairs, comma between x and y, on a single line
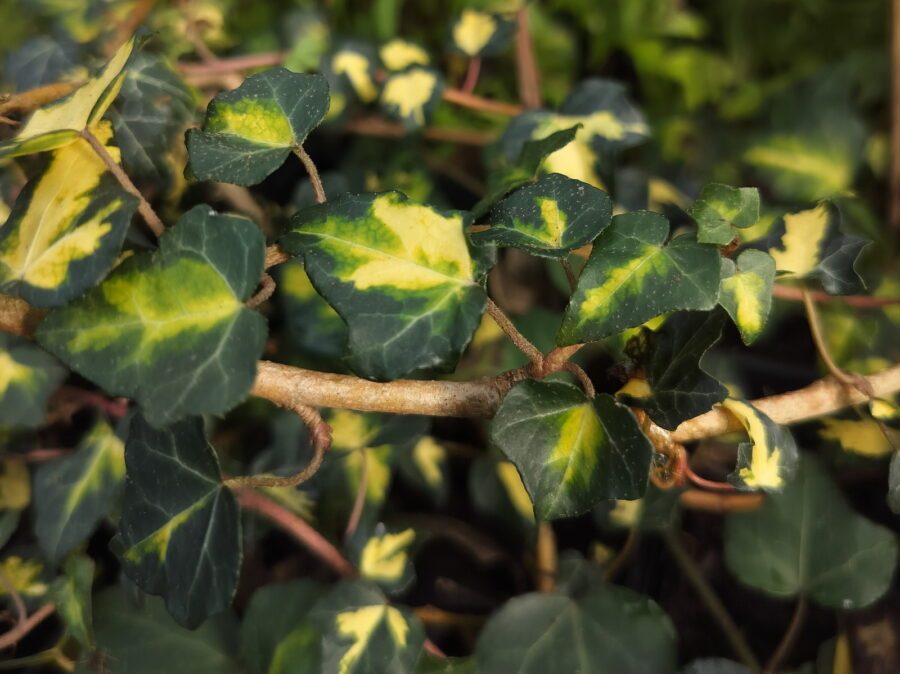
[(746, 291), (715, 666), (42, 60), (721, 207), (28, 377), (72, 594), (179, 535), (571, 452), (311, 325)]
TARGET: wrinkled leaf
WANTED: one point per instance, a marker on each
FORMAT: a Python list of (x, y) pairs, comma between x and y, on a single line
[(412, 95), (28, 377), (571, 452), (169, 328), (721, 207), (180, 534), (632, 276), (477, 33), (769, 460), (72, 594), (746, 291)]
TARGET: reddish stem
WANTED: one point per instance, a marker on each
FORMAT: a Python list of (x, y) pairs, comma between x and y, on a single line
[(472, 74)]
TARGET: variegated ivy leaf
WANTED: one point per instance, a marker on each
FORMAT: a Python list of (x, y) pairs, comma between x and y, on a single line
[(769, 460), (15, 484), (309, 37), (180, 532), (39, 61), (571, 452), (500, 498), (61, 122), (311, 325), (477, 33), (632, 276), (549, 218), (722, 207), (67, 226), (72, 595), (384, 558), (399, 54), (424, 467), (746, 291), (866, 437), (169, 328), (28, 376), (811, 246), (73, 494), (676, 386), (808, 541), (609, 123), (399, 273), (250, 131), (362, 633), (412, 95), (352, 65)]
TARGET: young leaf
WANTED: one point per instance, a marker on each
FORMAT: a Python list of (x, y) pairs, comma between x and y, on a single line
[(412, 95), (721, 207), (67, 226), (61, 122), (73, 494), (812, 246), (550, 218), (169, 328), (769, 460), (72, 594), (250, 131), (399, 273), (806, 540), (746, 291), (678, 387), (385, 559), (362, 633), (611, 629), (632, 276), (571, 452), (399, 54), (180, 532), (476, 33), (28, 377)]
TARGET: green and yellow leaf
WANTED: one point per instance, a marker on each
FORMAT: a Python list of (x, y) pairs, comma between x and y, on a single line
[(25, 575), (571, 452), (476, 33), (424, 465), (549, 218), (412, 95), (72, 595), (28, 376), (250, 131), (15, 484), (399, 54), (183, 544), (385, 559), (769, 460), (722, 207), (311, 325), (746, 291), (67, 226), (169, 328), (399, 273), (866, 437), (632, 276), (353, 65), (61, 122)]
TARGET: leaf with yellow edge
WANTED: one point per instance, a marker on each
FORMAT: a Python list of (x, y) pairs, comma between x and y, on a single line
[(769, 460), (180, 532), (74, 493), (67, 226), (384, 558), (72, 594), (28, 377), (352, 66), (399, 54), (746, 291), (412, 95), (399, 273), (61, 122), (477, 33), (363, 634), (865, 437)]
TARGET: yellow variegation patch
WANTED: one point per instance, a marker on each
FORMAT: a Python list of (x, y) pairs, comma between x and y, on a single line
[(860, 436), (771, 451), (473, 31), (804, 233), (15, 483), (356, 68), (260, 121), (399, 54), (408, 93), (574, 454), (24, 575), (628, 279), (636, 388), (384, 558), (428, 456), (13, 373), (157, 543), (515, 490), (360, 624)]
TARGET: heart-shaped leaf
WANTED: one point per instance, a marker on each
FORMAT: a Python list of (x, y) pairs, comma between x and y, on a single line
[(169, 328), (632, 276), (399, 273), (746, 291), (28, 376), (250, 131), (769, 460), (722, 207)]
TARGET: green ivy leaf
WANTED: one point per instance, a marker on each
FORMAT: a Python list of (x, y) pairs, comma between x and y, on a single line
[(67, 226), (250, 131), (423, 465), (412, 95), (39, 61), (677, 387), (894, 484), (73, 494), (811, 246), (311, 325), (399, 273), (169, 328), (363, 634), (501, 500), (62, 121), (352, 65), (633, 276), (550, 218), (476, 33), (721, 207), (808, 541), (607, 630), (28, 377), (180, 534), (746, 291), (571, 452), (72, 594), (384, 558), (769, 460)]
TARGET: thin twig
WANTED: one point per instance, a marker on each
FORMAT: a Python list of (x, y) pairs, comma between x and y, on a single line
[(794, 294), (524, 345), (312, 172), (377, 126), (474, 102), (719, 503), (526, 65), (586, 384), (789, 638), (144, 207), (710, 600), (546, 558), (267, 284), (702, 481), (275, 256), (26, 101), (472, 73), (21, 629), (359, 502)]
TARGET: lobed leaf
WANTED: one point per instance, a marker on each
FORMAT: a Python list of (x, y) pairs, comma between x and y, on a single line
[(28, 377), (399, 273), (168, 328), (632, 276), (745, 291), (571, 452), (722, 207), (769, 460)]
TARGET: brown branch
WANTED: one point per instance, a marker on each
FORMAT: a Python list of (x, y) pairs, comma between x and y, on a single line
[(521, 341), (546, 558), (359, 502), (267, 284), (474, 102), (617, 563), (794, 294), (526, 65), (313, 174), (472, 73), (719, 502), (275, 256), (376, 126), (21, 629), (26, 101), (789, 638), (144, 207)]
